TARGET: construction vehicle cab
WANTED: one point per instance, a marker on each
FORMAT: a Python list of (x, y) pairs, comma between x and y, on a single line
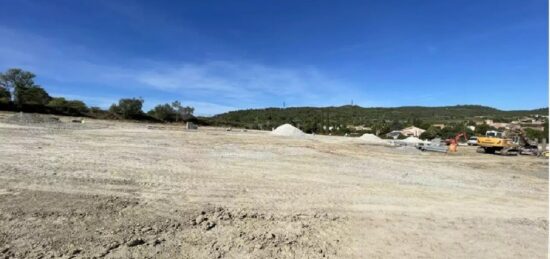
[(494, 134)]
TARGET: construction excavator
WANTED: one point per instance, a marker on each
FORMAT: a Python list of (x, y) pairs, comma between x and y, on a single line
[(453, 142), (456, 138), (511, 142)]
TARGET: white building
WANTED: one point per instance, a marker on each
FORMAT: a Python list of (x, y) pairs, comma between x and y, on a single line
[(412, 131)]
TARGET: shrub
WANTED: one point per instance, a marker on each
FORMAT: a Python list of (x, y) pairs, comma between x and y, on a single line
[(62, 105), (5, 95), (34, 95), (163, 112), (128, 108)]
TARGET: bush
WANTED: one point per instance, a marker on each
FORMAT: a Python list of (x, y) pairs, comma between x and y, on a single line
[(426, 135), (535, 134), (62, 105), (5, 95), (34, 95), (99, 113), (431, 133), (401, 136), (128, 108), (481, 129), (163, 112)]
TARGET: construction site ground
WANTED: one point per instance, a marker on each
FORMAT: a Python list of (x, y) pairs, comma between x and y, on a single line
[(109, 189)]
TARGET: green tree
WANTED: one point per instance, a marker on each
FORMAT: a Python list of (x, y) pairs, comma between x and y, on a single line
[(187, 110), (545, 131), (430, 133), (128, 108), (380, 128), (68, 106), (419, 123), (482, 128), (164, 112), (176, 106), (5, 95), (396, 125), (15, 79), (536, 134), (33, 95)]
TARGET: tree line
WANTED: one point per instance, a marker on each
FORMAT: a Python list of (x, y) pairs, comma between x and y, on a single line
[(341, 120), (19, 92)]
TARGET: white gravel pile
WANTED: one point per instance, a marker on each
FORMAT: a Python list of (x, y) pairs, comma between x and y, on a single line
[(288, 130), (372, 139), (413, 140)]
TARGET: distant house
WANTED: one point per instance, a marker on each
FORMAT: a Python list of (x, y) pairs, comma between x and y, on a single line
[(531, 121), (412, 131), (438, 125), (499, 125)]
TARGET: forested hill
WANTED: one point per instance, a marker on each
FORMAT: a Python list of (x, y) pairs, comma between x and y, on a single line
[(356, 115)]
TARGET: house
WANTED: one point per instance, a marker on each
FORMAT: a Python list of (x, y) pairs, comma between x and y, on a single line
[(412, 131), (438, 125), (499, 125), (531, 121)]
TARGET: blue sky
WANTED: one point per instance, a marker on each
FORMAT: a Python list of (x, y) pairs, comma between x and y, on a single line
[(226, 55)]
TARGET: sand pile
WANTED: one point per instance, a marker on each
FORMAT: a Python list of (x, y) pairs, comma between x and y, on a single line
[(372, 139), (288, 130), (413, 140)]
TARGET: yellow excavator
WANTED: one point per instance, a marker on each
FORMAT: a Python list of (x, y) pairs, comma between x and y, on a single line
[(494, 141), (506, 143)]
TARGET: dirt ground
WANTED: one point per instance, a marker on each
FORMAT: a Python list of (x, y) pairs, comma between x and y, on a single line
[(107, 189)]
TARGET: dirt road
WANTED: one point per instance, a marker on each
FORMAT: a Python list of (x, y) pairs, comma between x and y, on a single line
[(122, 190)]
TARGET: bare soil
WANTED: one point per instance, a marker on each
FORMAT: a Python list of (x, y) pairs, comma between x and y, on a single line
[(107, 189)]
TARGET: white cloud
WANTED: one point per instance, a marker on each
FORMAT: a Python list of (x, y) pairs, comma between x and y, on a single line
[(233, 79), (215, 86)]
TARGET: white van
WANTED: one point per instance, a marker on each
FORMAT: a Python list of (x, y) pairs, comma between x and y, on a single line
[(472, 141)]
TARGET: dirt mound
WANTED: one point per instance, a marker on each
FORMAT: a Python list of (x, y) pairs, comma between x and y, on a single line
[(288, 130), (31, 118), (51, 122), (126, 228), (240, 233), (372, 139)]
